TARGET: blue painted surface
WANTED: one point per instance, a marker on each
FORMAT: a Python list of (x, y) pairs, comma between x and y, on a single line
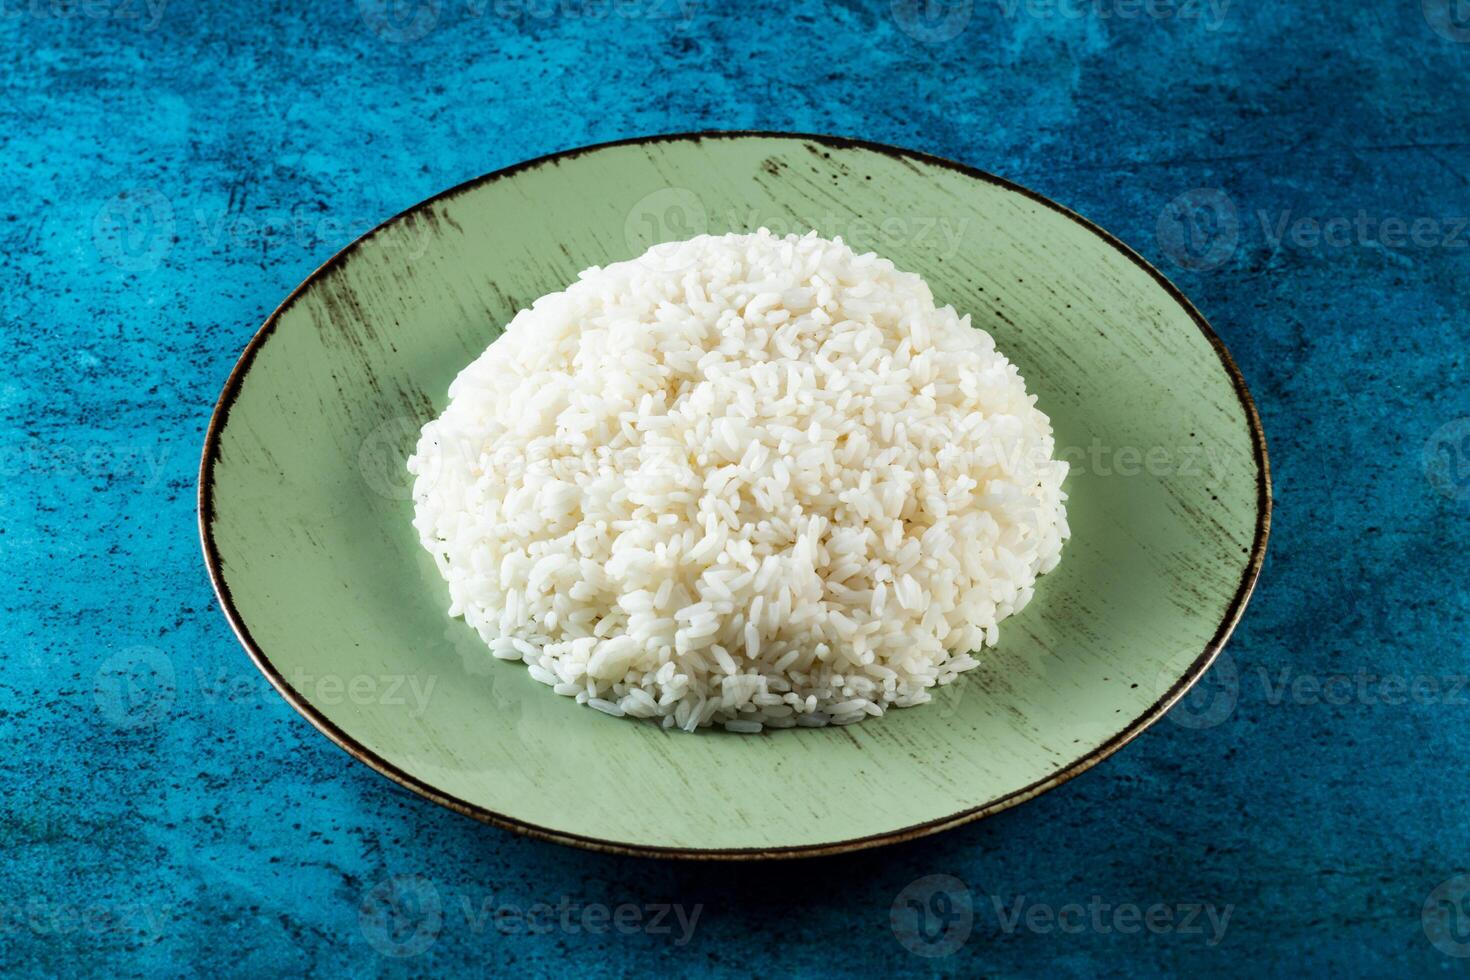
[(169, 172)]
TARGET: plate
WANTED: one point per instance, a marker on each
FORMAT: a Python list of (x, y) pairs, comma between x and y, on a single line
[(305, 504)]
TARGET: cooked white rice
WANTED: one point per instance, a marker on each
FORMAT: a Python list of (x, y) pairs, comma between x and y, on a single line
[(755, 482)]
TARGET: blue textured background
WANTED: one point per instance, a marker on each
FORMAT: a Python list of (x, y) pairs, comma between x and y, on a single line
[(168, 173)]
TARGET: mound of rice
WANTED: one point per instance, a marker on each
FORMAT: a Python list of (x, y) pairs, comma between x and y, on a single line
[(744, 480)]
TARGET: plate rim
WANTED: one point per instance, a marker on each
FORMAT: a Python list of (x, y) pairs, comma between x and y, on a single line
[(220, 414)]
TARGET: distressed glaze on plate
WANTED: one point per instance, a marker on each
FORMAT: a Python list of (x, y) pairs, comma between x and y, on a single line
[(305, 508)]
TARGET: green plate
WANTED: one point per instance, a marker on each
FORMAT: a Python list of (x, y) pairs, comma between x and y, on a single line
[(305, 506)]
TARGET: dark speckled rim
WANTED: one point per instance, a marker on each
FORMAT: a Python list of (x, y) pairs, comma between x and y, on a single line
[(360, 752)]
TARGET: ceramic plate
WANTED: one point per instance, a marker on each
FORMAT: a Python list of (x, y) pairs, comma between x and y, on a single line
[(305, 506)]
